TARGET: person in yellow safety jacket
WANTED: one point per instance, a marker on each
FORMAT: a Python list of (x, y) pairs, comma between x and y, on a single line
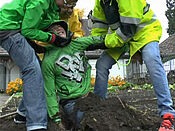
[(133, 24)]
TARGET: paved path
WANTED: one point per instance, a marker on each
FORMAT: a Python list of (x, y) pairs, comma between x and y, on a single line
[(3, 98)]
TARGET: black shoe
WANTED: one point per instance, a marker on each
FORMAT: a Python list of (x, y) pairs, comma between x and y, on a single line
[(19, 119)]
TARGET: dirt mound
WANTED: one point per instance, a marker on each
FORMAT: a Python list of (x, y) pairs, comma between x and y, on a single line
[(134, 110), (112, 114)]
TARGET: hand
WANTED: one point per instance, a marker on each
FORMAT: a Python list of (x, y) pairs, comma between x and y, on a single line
[(96, 46), (57, 118), (61, 41), (61, 127)]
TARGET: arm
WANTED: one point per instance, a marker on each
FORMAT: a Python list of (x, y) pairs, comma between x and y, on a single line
[(99, 23), (49, 86), (96, 46), (80, 44), (130, 18), (31, 21)]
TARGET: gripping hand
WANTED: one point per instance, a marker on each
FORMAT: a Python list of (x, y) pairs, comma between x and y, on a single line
[(61, 41), (96, 46)]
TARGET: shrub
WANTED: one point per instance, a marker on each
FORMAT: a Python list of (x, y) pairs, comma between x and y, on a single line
[(14, 86), (92, 82), (116, 81)]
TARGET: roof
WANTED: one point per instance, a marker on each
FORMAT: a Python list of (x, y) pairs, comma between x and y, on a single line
[(167, 48)]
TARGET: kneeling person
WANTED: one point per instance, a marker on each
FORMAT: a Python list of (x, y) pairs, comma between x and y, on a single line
[(67, 74)]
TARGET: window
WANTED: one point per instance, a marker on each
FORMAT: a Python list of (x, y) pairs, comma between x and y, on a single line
[(2, 77)]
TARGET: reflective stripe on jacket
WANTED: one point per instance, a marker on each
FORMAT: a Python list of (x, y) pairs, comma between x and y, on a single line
[(138, 26)]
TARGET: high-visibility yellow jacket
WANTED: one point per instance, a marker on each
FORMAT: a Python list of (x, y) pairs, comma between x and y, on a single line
[(131, 21)]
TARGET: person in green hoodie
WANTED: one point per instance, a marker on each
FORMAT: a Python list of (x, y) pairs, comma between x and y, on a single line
[(67, 74), (26, 19)]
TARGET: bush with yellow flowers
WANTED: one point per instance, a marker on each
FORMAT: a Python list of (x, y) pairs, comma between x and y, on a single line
[(116, 81), (92, 81), (113, 81), (14, 86), (114, 84)]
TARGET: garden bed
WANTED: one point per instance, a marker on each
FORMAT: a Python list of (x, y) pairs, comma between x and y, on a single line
[(128, 110)]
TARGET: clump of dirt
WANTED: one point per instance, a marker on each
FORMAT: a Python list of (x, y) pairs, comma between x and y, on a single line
[(112, 114)]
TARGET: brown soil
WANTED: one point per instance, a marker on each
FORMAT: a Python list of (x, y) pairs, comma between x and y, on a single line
[(128, 110)]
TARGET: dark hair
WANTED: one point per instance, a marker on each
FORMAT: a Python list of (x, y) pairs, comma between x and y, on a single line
[(61, 23)]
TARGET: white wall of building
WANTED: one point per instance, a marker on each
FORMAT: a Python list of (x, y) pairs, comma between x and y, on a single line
[(169, 65), (115, 71), (13, 74)]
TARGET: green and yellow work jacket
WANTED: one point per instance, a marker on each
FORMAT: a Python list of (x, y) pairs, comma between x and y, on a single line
[(30, 17), (131, 21)]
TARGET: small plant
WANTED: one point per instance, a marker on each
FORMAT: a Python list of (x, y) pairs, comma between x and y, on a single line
[(116, 81), (114, 84), (14, 86), (146, 86), (92, 81)]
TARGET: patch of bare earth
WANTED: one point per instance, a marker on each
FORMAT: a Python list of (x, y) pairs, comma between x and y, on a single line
[(128, 110)]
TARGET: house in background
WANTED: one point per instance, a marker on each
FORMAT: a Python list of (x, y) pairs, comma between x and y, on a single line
[(134, 72), (167, 51), (117, 69), (8, 70)]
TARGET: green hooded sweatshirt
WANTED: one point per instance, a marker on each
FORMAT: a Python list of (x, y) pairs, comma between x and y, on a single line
[(29, 16), (67, 72)]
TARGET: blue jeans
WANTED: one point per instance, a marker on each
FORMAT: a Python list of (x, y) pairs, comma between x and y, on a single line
[(152, 59), (33, 103), (74, 117)]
